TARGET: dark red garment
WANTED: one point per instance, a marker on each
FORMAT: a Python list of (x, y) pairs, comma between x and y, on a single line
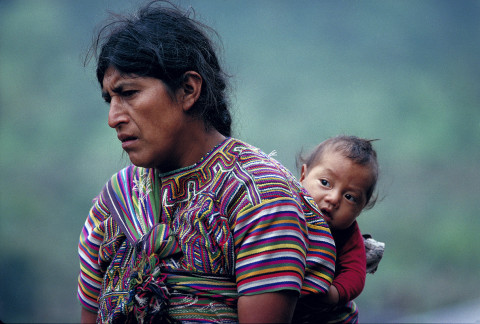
[(350, 267)]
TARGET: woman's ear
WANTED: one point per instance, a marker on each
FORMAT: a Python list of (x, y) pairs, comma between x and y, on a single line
[(190, 89), (303, 173)]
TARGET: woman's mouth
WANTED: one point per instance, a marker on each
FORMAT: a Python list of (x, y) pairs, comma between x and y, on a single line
[(127, 140)]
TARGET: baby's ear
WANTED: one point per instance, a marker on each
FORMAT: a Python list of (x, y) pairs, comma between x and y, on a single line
[(303, 173)]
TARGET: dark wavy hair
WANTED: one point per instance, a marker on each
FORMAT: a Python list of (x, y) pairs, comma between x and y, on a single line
[(358, 150), (164, 42)]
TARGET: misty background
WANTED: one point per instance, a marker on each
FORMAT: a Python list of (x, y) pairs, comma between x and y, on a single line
[(404, 72)]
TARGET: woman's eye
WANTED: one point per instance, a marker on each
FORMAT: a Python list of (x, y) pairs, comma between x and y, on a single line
[(128, 93), (107, 98)]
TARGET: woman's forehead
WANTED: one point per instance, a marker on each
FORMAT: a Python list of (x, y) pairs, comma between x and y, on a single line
[(113, 76)]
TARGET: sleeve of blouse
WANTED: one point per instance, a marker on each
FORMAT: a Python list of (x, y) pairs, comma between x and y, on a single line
[(351, 268), (91, 237), (271, 246)]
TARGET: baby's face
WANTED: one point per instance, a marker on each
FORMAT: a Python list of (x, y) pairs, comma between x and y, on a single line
[(339, 187)]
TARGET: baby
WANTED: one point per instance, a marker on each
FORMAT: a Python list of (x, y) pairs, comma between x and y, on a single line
[(341, 176)]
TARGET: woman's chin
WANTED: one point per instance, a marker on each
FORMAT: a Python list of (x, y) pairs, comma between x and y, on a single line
[(139, 162)]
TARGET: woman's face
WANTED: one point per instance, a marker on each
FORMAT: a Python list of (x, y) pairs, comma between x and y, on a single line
[(151, 125)]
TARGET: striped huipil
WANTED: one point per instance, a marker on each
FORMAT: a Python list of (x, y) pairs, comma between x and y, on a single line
[(236, 223)]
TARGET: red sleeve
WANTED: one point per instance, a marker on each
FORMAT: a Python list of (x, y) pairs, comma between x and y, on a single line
[(350, 267)]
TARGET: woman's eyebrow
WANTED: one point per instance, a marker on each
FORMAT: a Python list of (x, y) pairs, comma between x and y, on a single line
[(117, 89), (123, 84)]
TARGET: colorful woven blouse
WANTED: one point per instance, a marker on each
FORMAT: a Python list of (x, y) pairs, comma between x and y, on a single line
[(184, 246)]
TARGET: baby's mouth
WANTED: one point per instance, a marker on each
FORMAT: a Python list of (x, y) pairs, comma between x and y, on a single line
[(326, 214)]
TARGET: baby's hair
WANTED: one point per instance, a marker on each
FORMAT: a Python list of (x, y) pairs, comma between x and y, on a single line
[(358, 150)]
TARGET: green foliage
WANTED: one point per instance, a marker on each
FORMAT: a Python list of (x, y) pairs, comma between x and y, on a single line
[(406, 73)]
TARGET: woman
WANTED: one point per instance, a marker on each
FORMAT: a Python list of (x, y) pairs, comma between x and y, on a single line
[(202, 227)]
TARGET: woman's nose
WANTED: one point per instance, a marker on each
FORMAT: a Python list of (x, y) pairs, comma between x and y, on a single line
[(116, 114)]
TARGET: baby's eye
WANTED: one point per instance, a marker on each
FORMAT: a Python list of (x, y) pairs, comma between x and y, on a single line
[(351, 198), (325, 182)]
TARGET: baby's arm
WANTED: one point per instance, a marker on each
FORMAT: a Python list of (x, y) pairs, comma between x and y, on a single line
[(350, 270), (331, 297)]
